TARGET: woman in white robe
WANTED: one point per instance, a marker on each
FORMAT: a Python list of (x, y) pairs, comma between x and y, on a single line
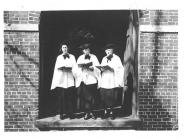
[(112, 75), (63, 81), (86, 81)]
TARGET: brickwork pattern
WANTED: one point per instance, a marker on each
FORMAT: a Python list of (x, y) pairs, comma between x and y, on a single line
[(21, 17), (157, 92), (157, 72), (21, 70), (158, 17)]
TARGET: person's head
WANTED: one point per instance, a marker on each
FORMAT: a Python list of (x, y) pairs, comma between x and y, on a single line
[(86, 48), (64, 47), (86, 51), (109, 49)]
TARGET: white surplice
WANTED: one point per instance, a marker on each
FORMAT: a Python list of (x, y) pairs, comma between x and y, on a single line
[(62, 78), (87, 76), (113, 79)]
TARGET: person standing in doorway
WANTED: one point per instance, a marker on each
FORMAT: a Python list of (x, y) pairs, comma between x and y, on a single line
[(64, 83), (86, 81), (112, 74)]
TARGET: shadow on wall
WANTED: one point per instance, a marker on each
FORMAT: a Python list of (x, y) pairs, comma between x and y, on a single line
[(26, 113), (128, 95), (156, 104)]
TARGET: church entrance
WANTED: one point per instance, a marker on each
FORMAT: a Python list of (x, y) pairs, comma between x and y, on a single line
[(99, 27)]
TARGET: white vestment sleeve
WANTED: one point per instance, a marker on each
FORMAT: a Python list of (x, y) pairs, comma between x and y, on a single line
[(103, 62), (96, 71), (57, 73), (100, 78), (77, 72), (74, 64), (113, 79), (95, 61), (119, 72)]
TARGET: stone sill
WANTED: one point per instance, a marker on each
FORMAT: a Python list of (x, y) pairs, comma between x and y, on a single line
[(51, 123), (21, 27)]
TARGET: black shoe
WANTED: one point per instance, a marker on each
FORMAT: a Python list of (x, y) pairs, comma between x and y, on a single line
[(111, 115), (72, 117), (105, 114), (87, 116), (92, 116), (61, 117)]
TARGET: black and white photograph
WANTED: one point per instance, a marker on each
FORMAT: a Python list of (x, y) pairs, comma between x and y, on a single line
[(93, 69)]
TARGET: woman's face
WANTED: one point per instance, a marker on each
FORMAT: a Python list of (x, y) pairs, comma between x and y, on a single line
[(64, 48), (109, 52), (86, 51)]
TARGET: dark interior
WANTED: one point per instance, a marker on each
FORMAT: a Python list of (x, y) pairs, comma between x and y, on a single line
[(77, 27)]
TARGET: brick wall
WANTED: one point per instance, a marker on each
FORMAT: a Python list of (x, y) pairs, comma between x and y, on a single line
[(157, 78), (162, 17), (21, 73), (158, 68), (21, 17)]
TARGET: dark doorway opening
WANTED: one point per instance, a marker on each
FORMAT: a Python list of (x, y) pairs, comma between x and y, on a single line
[(99, 27)]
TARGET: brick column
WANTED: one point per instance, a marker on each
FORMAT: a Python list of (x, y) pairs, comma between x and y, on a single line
[(21, 70), (158, 68)]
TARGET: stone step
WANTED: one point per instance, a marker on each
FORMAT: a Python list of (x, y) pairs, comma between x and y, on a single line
[(52, 123)]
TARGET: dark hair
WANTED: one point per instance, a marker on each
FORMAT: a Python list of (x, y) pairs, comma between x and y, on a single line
[(110, 46), (63, 43), (85, 46)]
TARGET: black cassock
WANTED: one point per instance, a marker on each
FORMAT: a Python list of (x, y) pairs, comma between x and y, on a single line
[(87, 97), (87, 83), (66, 100)]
